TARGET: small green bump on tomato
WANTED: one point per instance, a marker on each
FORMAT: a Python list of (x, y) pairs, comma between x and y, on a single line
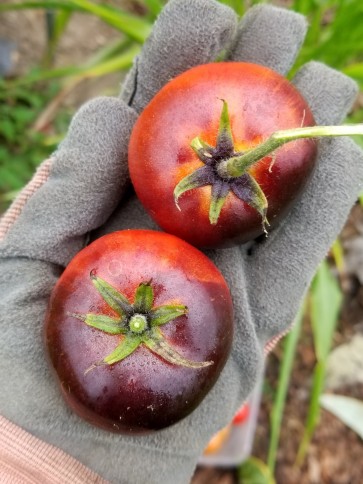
[(138, 323)]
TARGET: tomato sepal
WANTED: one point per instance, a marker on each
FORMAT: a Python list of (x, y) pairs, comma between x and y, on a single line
[(244, 186), (138, 324), (158, 344)]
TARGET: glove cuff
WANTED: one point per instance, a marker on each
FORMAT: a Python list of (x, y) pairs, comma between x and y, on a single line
[(22, 456), (12, 214)]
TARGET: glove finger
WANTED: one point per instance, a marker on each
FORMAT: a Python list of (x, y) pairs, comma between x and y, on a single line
[(87, 177), (329, 93), (291, 253), (187, 33), (270, 36)]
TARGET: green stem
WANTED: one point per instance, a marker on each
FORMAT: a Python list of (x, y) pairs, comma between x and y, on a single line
[(110, 59), (282, 388), (236, 166), (314, 410)]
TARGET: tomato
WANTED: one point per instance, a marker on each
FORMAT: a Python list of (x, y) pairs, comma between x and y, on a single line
[(138, 329), (206, 115)]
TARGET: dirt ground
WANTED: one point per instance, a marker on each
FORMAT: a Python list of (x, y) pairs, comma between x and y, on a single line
[(335, 455)]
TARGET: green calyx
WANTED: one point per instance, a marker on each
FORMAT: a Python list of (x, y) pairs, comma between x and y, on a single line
[(243, 186), (137, 323)]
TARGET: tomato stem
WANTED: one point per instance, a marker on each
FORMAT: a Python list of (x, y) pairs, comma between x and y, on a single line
[(226, 169), (236, 166)]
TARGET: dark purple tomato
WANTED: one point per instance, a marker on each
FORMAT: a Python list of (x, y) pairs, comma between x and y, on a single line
[(138, 329)]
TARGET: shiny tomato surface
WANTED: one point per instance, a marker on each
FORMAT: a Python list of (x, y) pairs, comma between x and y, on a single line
[(260, 102), (142, 392)]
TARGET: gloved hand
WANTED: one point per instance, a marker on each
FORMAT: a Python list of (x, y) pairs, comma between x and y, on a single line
[(83, 189)]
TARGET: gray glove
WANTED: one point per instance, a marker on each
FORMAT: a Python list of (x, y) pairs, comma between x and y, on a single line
[(88, 182)]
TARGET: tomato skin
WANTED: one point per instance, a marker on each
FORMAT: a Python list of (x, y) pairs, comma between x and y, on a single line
[(260, 102), (143, 392)]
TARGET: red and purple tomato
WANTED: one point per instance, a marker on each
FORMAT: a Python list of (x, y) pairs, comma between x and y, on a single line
[(161, 153), (138, 329)]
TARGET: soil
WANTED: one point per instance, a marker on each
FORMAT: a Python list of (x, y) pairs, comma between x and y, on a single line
[(84, 35), (335, 454)]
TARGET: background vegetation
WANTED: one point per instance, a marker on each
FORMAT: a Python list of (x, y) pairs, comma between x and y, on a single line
[(34, 119)]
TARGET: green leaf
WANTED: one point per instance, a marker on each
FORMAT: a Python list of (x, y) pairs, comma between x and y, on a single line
[(154, 6), (9, 196), (144, 298), (57, 22), (100, 67), (115, 299), (36, 4), (164, 314), (135, 27), (326, 299), (22, 115), (7, 130), (338, 255), (354, 70), (348, 410), (115, 64), (255, 471)]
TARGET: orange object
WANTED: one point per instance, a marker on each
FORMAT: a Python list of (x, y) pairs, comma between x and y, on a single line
[(217, 440)]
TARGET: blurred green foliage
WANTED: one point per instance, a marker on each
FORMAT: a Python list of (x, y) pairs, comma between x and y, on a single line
[(21, 148)]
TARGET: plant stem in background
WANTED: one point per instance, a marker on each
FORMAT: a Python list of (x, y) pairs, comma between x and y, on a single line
[(56, 24), (289, 351), (313, 411), (325, 303)]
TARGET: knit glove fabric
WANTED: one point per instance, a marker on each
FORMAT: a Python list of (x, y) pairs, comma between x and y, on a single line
[(83, 191)]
